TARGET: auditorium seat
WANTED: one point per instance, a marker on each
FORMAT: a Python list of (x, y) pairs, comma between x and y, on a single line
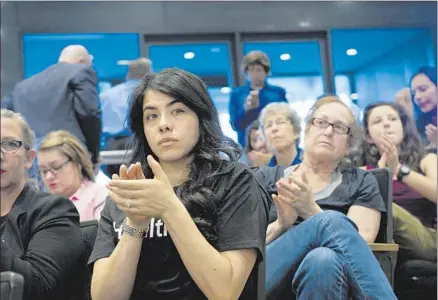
[(384, 248), (12, 286), (89, 232)]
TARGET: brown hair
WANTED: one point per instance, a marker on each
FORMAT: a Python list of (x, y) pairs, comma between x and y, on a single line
[(71, 147), (256, 58)]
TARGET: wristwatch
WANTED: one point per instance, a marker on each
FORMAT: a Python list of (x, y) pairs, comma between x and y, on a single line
[(403, 171), (138, 233)]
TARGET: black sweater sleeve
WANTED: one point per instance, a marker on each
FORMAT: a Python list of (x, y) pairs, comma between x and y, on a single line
[(53, 252)]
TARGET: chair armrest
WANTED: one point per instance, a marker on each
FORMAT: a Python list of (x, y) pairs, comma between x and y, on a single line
[(381, 247)]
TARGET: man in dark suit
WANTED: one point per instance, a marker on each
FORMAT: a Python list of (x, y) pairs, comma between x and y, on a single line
[(63, 96)]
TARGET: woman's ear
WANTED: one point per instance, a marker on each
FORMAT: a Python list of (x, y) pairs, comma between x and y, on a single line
[(30, 156)]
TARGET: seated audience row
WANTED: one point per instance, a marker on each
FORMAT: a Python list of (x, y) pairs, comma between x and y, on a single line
[(186, 198), (318, 247)]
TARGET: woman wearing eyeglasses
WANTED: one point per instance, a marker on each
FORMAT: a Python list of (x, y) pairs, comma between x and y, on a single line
[(317, 248), (67, 171)]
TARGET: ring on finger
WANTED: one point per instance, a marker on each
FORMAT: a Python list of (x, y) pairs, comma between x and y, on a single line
[(129, 203)]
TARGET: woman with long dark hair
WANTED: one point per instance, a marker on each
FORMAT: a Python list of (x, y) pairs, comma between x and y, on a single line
[(186, 220), (423, 85), (392, 141)]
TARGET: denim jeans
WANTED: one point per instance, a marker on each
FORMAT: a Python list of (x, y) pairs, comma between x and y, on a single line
[(324, 257)]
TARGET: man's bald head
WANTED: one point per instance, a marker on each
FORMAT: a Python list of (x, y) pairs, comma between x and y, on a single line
[(75, 54), (139, 68)]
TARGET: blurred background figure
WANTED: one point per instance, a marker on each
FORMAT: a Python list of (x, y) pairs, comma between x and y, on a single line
[(423, 85), (256, 153), (404, 99), (66, 170), (62, 96), (246, 102), (281, 127), (115, 101), (115, 106)]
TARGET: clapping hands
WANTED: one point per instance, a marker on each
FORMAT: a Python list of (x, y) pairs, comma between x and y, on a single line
[(141, 198)]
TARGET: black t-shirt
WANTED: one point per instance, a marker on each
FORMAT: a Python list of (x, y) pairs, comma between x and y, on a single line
[(2, 223), (242, 218), (358, 187)]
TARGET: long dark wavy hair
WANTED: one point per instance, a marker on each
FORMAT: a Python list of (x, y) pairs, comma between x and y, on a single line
[(423, 119), (211, 154), (412, 148)]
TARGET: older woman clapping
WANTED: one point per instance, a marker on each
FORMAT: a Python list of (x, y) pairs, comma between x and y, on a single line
[(326, 216)]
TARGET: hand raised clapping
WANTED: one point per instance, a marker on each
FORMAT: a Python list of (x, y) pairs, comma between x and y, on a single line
[(389, 154), (141, 198), (296, 191)]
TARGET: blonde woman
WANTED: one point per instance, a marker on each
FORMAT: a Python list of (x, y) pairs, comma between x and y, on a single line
[(67, 171)]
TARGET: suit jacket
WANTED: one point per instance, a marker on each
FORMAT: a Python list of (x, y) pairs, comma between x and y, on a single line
[(63, 96), (41, 239)]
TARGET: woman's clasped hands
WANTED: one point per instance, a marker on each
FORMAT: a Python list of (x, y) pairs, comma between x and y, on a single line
[(140, 198), (295, 198)]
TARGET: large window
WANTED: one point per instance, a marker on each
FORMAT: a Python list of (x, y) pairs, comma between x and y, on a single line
[(380, 62), (110, 52)]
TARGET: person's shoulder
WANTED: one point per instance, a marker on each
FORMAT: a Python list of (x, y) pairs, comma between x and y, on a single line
[(234, 168), (354, 176), (359, 177), (268, 172), (43, 200), (239, 89), (41, 207)]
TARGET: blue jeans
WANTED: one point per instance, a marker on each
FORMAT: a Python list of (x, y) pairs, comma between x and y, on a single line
[(324, 257)]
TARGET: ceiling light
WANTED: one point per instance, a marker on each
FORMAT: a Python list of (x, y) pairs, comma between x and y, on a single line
[(351, 52), (123, 62), (189, 55), (304, 24), (285, 56), (225, 90)]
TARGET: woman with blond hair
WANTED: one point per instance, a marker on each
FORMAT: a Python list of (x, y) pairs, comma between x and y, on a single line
[(66, 169)]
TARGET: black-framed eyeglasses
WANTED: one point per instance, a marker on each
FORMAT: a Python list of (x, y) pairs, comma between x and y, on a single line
[(12, 146), (54, 169), (337, 127)]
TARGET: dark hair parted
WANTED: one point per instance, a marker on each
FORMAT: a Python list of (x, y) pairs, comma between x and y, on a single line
[(211, 154), (412, 148)]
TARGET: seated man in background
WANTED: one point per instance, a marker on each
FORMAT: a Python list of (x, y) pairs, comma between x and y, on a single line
[(63, 96), (281, 127), (246, 102), (115, 103), (40, 233)]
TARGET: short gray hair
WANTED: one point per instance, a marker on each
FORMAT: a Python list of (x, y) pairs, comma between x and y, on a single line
[(284, 109), (28, 134), (355, 137)]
